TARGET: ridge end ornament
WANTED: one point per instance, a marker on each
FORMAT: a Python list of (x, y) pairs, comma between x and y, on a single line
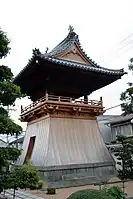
[(71, 28)]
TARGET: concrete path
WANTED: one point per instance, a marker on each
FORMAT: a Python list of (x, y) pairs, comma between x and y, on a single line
[(20, 195)]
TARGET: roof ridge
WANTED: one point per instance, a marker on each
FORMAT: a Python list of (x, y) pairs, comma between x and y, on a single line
[(70, 37), (122, 118), (69, 40)]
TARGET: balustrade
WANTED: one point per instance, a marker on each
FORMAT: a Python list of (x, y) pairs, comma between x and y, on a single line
[(61, 99)]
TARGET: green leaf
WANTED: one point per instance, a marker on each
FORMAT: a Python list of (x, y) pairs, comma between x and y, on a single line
[(91, 194), (116, 192), (5, 73), (8, 154), (4, 42), (23, 177), (9, 92), (7, 126), (3, 112)]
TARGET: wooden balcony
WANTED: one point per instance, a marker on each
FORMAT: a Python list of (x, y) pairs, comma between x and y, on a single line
[(61, 104)]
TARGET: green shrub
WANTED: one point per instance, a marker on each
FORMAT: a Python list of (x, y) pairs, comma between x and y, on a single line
[(40, 184), (116, 192), (91, 194)]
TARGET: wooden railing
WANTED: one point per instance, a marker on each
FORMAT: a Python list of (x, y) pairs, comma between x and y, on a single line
[(60, 99)]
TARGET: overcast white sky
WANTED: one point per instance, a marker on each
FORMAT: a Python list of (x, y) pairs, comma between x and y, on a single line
[(101, 26)]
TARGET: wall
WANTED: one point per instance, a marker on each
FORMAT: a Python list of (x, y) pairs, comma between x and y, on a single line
[(121, 129), (68, 151), (78, 176), (105, 129)]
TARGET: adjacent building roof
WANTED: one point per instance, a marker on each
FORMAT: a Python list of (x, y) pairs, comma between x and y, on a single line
[(19, 140), (121, 119)]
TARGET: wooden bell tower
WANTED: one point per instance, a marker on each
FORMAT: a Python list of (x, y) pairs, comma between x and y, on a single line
[(62, 137)]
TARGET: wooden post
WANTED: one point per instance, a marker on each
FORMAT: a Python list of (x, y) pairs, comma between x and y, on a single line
[(85, 99), (101, 100), (21, 108), (46, 96)]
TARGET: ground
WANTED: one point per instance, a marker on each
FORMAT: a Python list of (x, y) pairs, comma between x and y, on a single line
[(65, 192)]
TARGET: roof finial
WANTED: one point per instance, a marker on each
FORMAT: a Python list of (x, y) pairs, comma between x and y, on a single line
[(71, 29), (46, 50)]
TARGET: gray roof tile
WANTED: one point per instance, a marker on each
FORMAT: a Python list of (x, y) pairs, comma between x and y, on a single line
[(85, 67), (121, 118), (65, 45)]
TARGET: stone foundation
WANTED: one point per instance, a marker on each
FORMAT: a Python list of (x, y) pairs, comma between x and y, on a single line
[(77, 175)]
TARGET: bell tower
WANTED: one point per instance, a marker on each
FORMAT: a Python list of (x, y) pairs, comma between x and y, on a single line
[(62, 138)]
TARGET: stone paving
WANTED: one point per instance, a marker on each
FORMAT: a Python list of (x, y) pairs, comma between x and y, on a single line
[(63, 193), (20, 195)]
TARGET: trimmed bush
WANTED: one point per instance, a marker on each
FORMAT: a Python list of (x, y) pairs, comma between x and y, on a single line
[(91, 194), (116, 192)]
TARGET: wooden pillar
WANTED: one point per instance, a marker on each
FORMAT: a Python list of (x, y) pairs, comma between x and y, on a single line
[(101, 101), (85, 99), (46, 94)]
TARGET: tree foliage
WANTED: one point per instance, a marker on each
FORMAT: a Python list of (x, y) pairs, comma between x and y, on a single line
[(4, 44), (8, 155), (124, 154), (16, 177), (22, 177), (7, 126), (127, 95), (116, 192), (9, 92)]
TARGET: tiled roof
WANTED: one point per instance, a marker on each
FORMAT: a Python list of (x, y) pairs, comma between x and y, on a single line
[(19, 140), (106, 117), (122, 119), (84, 67), (71, 39), (65, 45)]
